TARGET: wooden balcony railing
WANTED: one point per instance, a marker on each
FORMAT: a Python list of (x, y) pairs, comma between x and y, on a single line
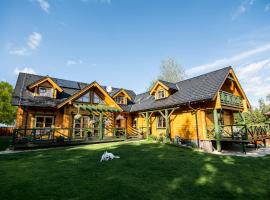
[(67, 135), (229, 99), (240, 132)]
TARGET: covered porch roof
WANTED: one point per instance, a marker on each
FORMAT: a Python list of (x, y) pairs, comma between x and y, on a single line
[(99, 108)]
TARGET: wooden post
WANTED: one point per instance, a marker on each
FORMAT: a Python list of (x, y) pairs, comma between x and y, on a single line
[(217, 132), (167, 120), (147, 124), (197, 129), (101, 125), (26, 121)]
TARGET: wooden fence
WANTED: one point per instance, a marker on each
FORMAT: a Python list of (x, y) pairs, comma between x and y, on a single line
[(6, 131)]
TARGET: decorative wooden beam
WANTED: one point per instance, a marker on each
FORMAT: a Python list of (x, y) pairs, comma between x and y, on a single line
[(101, 125), (163, 115), (172, 110), (167, 119), (217, 131), (147, 124)]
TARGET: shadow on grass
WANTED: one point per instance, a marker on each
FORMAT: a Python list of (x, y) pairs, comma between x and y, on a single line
[(145, 171)]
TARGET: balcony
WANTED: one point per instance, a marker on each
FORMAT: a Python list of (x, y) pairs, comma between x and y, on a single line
[(229, 99)]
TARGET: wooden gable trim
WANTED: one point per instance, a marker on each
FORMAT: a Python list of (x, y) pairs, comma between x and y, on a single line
[(158, 83), (83, 91), (122, 90), (238, 85), (37, 83)]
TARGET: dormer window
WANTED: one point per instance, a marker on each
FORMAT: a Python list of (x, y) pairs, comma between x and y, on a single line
[(160, 94), (45, 92), (120, 100)]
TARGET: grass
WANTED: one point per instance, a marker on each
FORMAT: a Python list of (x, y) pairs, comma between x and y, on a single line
[(5, 142), (146, 170)]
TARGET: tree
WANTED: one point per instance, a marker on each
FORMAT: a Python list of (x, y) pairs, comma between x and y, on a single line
[(254, 116), (268, 97), (7, 111), (170, 71)]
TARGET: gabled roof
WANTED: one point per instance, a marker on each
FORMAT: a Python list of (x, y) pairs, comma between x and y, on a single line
[(196, 89), (170, 85), (123, 91), (44, 79), (83, 91), (22, 96), (165, 84), (199, 88)]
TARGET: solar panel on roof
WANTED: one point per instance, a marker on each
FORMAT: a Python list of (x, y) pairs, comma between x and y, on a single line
[(68, 84)]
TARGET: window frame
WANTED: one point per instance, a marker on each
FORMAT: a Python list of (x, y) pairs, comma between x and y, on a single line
[(44, 121), (46, 93), (158, 94), (162, 123), (123, 101)]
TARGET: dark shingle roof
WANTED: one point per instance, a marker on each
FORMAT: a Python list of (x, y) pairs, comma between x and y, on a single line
[(169, 85), (22, 96), (200, 88)]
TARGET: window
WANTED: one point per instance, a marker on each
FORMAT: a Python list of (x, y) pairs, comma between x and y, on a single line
[(85, 98), (160, 94), (161, 122), (97, 99), (45, 92), (44, 121), (134, 123), (120, 100)]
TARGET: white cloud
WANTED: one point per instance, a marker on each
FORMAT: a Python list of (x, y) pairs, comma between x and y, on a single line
[(74, 62), (44, 5), (254, 77), (33, 43), (24, 70), (34, 40), (227, 61), (245, 4), (267, 7), (249, 70), (19, 51)]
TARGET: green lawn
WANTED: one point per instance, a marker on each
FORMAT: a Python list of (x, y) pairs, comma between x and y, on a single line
[(5, 142), (145, 170)]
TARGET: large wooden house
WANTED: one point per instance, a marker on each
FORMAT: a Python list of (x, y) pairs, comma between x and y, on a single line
[(190, 110)]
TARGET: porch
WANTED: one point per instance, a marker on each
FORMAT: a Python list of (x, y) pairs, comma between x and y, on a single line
[(240, 134), (80, 123), (46, 137)]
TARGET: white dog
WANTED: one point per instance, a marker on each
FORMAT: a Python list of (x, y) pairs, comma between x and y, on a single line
[(108, 156)]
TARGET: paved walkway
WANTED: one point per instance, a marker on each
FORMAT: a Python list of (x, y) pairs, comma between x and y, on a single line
[(250, 152)]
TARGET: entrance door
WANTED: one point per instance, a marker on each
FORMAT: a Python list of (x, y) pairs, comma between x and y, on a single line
[(79, 126)]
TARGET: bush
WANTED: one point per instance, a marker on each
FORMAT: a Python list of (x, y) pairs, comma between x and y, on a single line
[(60, 139), (152, 138)]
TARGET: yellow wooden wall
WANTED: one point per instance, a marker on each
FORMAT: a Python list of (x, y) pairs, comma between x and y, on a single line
[(182, 124)]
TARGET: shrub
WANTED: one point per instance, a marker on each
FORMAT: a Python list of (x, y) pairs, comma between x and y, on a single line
[(60, 139)]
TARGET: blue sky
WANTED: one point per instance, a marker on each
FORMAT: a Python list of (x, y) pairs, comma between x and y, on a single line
[(122, 42)]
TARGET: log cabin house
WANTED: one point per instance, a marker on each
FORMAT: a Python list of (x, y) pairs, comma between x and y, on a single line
[(190, 110)]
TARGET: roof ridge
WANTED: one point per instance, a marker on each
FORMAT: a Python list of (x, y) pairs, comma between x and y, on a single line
[(229, 67)]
